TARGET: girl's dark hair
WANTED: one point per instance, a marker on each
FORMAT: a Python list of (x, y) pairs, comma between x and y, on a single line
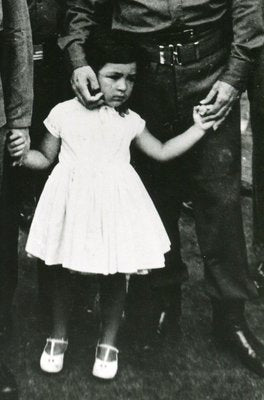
[(108, 47)]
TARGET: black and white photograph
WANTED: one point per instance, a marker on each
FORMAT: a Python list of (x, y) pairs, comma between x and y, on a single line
[(132, 199)]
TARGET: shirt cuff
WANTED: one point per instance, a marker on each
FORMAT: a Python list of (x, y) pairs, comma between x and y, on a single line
[(74, 53), (237, 73)]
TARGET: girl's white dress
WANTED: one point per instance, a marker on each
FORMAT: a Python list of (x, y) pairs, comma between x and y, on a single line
[(94, 214)]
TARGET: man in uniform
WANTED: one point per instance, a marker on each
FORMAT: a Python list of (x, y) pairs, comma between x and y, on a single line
[(193, 51), (16, 95)]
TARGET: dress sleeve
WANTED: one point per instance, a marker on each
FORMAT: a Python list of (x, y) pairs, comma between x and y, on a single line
[(138, 124), (53, 122)]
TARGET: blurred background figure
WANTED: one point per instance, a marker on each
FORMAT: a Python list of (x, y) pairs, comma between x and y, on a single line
[(16, 96), (256, 97), (50, 88), (49, 84)]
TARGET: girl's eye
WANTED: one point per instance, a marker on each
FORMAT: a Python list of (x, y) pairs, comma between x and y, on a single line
[(113, 77), (132, 78)]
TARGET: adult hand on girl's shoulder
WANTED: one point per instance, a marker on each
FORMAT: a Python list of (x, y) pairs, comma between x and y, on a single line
[(199, 113), (18, 144), (86, 87)]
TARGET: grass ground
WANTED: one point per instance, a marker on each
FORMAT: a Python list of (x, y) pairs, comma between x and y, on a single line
[(190, 369)]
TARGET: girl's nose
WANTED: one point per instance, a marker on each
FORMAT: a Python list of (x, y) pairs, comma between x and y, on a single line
[(122, 85)]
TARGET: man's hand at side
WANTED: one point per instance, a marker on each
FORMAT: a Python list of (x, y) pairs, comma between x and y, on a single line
[(222, 96), (18, 144), (82, 79)]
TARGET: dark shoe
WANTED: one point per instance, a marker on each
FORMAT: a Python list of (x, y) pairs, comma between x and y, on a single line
[(8, 386), (239, 340)]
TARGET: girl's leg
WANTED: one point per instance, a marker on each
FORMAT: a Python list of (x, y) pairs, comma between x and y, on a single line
[(112, 302), (61, 306)]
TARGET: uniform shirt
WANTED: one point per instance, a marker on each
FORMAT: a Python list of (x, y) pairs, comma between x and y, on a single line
[(139, 16), (46, 19), (16, 65)]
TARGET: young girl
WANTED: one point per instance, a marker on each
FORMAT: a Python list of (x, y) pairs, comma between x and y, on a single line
[(94, 215)]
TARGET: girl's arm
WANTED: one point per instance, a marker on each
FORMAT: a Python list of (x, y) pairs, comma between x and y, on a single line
[(45, 156), (176, 146)]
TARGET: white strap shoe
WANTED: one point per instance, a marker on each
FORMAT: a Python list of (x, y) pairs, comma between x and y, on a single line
[(105, 369), (53, 363)]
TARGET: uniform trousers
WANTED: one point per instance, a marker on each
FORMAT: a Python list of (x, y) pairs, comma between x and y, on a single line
[(9, 194), (51, 86), (209, 173)]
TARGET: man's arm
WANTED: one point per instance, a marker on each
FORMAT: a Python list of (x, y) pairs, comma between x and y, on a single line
[(248, 38), (16, 63), (81, 17)]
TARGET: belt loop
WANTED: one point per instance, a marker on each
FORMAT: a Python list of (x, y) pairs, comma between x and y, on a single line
[(197, 51), (171, 54), (162, 55), (177, 54)]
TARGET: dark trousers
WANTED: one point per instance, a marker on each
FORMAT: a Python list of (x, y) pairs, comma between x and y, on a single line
[(256, 97), (210, 173), (51, 86), (9, 194)]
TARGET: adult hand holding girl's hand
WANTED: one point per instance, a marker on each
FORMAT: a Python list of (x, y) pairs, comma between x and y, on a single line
[(199, 113), (222, 96), (18, 144), (86, 87)]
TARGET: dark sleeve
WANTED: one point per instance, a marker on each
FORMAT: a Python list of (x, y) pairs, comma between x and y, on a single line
[(81, 17), (248, 38), (17, 63)]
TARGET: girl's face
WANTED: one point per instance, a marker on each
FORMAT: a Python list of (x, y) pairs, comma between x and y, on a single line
[(116, 82)]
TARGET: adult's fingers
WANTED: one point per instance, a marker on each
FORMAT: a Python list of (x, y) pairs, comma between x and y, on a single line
[(93, 81), (16, 154), (15, 135), (211, 95), (16, 148), (78, 94), (85, 85), (16, 142), (219, 122), (219, 114)]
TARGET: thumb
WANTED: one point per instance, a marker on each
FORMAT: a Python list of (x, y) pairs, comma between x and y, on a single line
[(93, 81), (208, 99)]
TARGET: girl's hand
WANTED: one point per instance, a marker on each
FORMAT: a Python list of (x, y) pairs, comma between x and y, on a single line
[(18, 144), (199, 113)]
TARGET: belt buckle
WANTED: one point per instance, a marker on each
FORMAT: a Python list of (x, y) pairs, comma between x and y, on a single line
[(177, 52)]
